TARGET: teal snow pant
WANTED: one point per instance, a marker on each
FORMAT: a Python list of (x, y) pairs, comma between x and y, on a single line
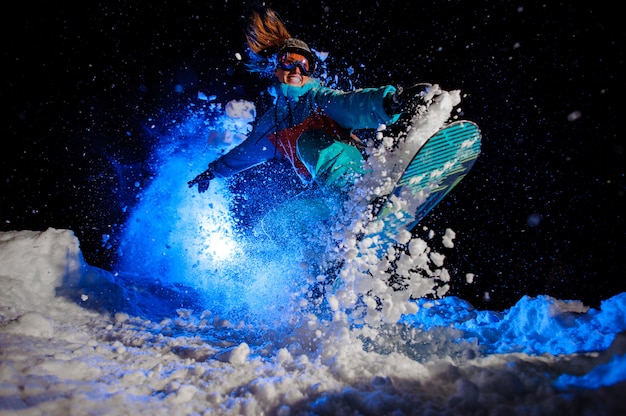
[(331, 163)]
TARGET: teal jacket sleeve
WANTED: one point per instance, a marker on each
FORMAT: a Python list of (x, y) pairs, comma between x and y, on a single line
[(360, 109)]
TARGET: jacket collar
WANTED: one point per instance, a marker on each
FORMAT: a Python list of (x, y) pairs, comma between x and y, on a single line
[(295, 93)]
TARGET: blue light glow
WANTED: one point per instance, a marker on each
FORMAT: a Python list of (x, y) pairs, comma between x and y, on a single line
[(177, 236)]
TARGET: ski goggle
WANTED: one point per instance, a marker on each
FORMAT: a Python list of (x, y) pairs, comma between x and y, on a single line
[(289, 61)]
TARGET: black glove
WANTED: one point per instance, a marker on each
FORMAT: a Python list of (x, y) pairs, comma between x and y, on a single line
[(203, 180), (406, 100)]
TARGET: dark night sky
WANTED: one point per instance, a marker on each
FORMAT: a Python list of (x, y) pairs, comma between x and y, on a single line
[(81, 84)]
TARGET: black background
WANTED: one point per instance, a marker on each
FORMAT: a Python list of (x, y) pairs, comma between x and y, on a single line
[(85, 86)]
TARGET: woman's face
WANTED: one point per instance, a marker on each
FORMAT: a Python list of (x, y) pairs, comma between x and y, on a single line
[(289, 69), (292, 77)]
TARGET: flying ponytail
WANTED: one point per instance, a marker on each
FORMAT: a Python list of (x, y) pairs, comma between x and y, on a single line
[(266, 34)]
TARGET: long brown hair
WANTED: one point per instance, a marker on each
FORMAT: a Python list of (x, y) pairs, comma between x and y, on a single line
[(265, 35)]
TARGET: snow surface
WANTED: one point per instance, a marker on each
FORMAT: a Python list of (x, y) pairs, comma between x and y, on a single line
[(543, 356), (197, 319)]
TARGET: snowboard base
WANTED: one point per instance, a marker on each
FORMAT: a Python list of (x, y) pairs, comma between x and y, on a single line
[(437, 167)]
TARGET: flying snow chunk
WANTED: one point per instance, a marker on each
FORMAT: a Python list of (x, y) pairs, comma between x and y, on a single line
[(574, 115), (203, 97), (533, 220), (448, 238), (233, 127), (321, 55), (437, 259), (241, 109)]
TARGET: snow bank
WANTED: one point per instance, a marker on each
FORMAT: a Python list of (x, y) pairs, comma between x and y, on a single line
[(59, 356)]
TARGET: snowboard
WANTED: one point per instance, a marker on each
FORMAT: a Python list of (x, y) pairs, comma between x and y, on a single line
[(435, 169)]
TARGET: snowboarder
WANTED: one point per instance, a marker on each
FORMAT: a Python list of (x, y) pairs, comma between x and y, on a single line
[(309, 124)]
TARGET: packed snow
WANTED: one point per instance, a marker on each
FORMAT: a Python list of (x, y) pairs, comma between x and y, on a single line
[(199, 319), (60, 356)]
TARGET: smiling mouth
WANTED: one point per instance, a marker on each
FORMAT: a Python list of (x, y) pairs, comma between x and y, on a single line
[(294, 78)]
